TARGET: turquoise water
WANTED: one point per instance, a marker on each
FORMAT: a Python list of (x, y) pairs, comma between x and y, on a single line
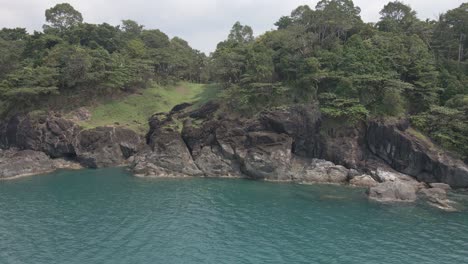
[(107, 216)]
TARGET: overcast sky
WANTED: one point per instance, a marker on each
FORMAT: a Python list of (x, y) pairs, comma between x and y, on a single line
[(201, 22)]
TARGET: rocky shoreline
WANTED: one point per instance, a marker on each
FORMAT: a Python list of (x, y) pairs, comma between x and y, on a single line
[(292, 144)]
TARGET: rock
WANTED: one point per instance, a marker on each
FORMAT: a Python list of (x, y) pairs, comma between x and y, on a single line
[(353, 173), (343, 143), (363, 181), (66, 164), (14, 164), (437, 197), (167, 156), (205, 111), (47, 133), (300, 122), (318, 171), (393, 191), (267, 156), (275, 146), (440, 186), (413, 155), (81, 114), (213, 163), (180, 107), (385, 176), (106, 146), (388, 176)]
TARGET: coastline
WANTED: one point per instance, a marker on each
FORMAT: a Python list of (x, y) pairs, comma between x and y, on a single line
[(294, 144)]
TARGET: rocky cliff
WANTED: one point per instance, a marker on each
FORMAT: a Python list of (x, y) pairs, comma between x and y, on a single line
[(58, 137), (294, 143)]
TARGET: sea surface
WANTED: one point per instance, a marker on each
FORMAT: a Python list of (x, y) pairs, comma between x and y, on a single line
[(108, 216)]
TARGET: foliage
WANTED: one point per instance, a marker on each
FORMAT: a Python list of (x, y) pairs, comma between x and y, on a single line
[(447, 126), (62, 17), (398, 67), (339, 108), (79, 58)]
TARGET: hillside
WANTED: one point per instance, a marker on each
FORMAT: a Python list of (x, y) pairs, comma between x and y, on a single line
[(134, 110), (400, 67)]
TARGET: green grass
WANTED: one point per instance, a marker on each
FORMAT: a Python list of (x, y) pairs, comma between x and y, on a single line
[(133, 111), (421, 137)]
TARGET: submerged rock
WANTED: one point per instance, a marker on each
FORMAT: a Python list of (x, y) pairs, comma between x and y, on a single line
[(393, 191), (440, 186), (437, 197)]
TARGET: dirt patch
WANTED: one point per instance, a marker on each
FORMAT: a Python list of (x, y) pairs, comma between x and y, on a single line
[(182, 90)]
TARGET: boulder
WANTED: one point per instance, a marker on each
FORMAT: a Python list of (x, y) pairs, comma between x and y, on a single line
[(385, 176), (180, 107), (51, 134), (382, 175), (437, 197), (363, 181), (393, 191), (81, 114), (267, 156), (318, 171), (167, 156), (15, 164), (205, 111), (214, 163), (440, 186), (106, 146)]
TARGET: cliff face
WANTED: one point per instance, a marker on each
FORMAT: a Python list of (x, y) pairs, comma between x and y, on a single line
[(294, 143), (61, 138), (407, 153), (286, 144)]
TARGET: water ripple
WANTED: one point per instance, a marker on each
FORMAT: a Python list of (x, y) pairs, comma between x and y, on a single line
[(106, 216)]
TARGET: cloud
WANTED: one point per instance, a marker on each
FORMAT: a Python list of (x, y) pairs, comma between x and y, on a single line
[(203, 22)]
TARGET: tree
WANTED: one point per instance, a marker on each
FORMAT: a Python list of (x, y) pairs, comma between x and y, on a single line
[(24, 87), (155, 39), (62, 17), (10, 56), (13, 34), (95, 36), (284, 22), (397, 17), (240, 33), (335, 18), (131, 29), (451, 34)]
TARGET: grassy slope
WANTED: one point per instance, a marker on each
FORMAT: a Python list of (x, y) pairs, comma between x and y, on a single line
[(133, 111)]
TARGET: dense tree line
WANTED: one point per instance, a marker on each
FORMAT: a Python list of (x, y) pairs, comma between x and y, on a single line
[(399, 66), (71, 57)]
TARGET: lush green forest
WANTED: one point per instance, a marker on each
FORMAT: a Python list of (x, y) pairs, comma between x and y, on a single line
[(400, 66)]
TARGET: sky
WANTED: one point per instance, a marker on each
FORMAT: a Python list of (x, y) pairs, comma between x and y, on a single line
[(203, 23)]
